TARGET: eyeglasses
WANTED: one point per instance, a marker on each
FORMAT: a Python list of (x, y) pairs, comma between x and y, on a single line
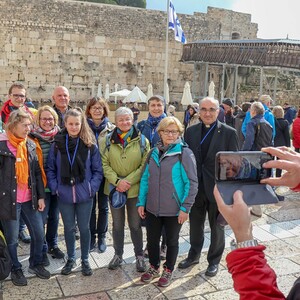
[(172, 132), (209, 110), (47, 119), (16, 96), (94, 108)]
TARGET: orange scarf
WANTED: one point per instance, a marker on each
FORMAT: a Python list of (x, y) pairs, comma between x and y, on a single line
[(22, 170)]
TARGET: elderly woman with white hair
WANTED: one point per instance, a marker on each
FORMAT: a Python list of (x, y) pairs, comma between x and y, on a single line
[(124, 152)]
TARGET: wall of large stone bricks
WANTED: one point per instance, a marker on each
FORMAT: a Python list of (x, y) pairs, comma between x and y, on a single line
[(44, 43)]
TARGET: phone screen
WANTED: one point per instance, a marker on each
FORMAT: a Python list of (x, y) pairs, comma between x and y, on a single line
[(242, 166)]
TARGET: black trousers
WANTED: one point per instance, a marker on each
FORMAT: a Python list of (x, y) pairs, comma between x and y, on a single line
[(198, 212), (154, 227)]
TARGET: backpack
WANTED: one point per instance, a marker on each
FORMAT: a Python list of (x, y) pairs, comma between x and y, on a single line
[(5, 260), (263, 135), (142, 142)]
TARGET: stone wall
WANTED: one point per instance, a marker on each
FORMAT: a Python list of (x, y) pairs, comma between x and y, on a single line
[(45, 43)]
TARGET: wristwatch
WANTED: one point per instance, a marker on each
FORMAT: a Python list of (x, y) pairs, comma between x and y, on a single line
[(250, 243)]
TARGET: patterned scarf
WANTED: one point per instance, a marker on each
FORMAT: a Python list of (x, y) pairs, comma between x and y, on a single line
[(125, 137), (45, 135), (155, 121), (22, 168)]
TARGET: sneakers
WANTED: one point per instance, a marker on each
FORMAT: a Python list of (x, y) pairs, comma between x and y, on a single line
[(165, 278), (67, 269), (140, 264), (102, 245), (115, 262), (56, 253), (24, 237), (39, 271), (163, 252), (150, 274), (92, 245), (146, 254), (18, 278), (86, 269), (45, 260)]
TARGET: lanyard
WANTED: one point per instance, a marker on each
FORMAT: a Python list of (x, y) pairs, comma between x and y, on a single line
[(68, 153), (207, 134)]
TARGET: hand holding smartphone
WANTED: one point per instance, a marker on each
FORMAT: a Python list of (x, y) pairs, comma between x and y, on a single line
[(243, 170)]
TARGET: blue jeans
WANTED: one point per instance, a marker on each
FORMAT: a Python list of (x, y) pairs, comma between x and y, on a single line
[(134, 223), (99, 227), (70, 212), (34, 221), (51, 219)]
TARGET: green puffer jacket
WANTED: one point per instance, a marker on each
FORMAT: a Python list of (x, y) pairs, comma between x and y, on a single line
[(123, 163)]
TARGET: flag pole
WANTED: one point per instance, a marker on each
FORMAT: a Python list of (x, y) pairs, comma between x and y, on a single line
[(167, 52)]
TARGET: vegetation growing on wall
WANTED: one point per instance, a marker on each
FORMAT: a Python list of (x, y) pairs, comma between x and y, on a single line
[(134, 3)]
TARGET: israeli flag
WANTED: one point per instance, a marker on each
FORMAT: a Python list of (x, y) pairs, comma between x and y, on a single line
[(174, 24)]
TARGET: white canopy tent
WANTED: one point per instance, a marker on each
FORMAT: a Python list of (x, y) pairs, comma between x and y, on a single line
[(136, 95), (149, 91), (121, 93)]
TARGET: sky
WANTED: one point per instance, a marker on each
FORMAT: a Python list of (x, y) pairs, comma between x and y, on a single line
[(275, 18)]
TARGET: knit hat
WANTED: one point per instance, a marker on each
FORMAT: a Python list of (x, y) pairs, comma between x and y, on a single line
[(228, 102)]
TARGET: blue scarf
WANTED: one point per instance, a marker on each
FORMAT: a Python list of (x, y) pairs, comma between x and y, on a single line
[(97, 129), (155, 121)]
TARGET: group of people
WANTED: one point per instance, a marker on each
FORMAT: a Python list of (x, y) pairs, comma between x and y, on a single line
[(74, 162)]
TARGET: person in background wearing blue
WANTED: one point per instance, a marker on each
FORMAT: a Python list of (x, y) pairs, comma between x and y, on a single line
[(43, 133), (168, 188), (266, 101), (290, 113), (156, 106), (74, 174), (97, 117)]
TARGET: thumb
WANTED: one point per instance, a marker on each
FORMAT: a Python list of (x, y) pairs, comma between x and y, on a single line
[(238, 198)]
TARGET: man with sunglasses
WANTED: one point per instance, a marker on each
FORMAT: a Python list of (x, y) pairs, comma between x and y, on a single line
[(205, 140)]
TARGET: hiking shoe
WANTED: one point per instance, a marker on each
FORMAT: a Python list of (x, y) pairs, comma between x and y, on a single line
[(163, 252), (165, 278), (18, 278), (115, 262), (39, 271), (45, 260), (140, 264), (56, 253), (67, 269), (86, 269), (150, 274), (93, 245), (24, 237)]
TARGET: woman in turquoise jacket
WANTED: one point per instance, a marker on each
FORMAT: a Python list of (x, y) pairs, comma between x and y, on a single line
[(167, 192)]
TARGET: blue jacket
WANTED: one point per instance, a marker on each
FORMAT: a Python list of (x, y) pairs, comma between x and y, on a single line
[(151, 134), (169, 183), (80, 192), (267, 115)]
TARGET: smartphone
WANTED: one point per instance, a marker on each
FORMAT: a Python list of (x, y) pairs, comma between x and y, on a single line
[(245, 166), (242, 170)]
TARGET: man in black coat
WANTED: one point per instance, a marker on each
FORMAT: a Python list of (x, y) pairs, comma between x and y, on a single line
[(205, 140)]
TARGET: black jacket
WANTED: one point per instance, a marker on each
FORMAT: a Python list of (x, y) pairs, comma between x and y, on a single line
[(224, 139), (8, 183)]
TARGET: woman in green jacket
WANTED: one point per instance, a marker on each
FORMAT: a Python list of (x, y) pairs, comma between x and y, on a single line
[(123, 154)]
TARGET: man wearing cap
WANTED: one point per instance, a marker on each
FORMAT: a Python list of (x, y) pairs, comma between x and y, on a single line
[(266, 101), (205, 140), (227, 105)]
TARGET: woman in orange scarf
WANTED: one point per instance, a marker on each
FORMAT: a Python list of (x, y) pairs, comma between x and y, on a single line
[(22, 194)]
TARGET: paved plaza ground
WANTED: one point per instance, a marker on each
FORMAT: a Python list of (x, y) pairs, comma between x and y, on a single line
[(278, 229)]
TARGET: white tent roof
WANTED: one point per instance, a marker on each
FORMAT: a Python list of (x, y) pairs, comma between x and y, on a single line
[(121, 93), (136, 95)]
